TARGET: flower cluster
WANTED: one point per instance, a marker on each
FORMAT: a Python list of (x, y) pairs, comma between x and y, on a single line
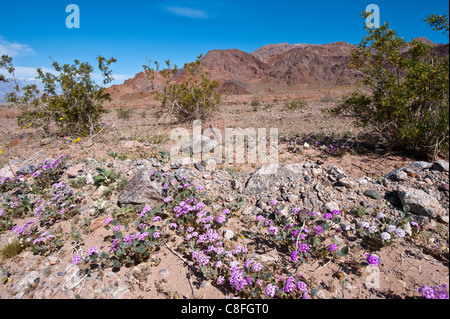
[(434, 292)]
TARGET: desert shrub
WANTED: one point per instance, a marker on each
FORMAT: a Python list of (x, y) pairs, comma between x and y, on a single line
[(192, 99), (124, 114), (298, 104), (408, 102), (71, 99)]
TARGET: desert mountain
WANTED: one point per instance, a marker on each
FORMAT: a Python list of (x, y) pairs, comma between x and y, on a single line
[(273, 68)]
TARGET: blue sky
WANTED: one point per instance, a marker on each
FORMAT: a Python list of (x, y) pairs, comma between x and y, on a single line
[(179, 30)]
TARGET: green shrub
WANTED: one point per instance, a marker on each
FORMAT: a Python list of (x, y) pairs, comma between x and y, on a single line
[(408, 103), (192, 99), (124, 114), (298, 104), (71, 99)]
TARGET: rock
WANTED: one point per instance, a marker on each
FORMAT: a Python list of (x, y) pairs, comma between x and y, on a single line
[(397, 175), (30, 279), (199, 144), (347, 227), (316, 171), (53, 260), (119, 292), (26, 170), (441, 166), (8, 171), (198, 166), (98, 222), (228, 234), (292, 199), (306, 145), (270, 177), (247, 210), (90, 179), (330, 206), (372, 193), (347, 182), (74, 170), (320, 294), (99, 192), (419, 202), (416, 167), (175, 165), (443, 219), (132, 144), (443, 187), (140, 190), (362, 181)]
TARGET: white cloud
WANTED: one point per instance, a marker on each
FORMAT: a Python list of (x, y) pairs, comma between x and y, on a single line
[(14, 49), (188, 12)]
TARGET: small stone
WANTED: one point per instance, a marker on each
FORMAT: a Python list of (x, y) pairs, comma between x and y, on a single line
[(306, 145), (228, 234), (441, 166), (99, 192), (198, 166), (347, 227), (74, 170), (316, 171), (98, 222), (443, 187), (175, 165), (443, 219), (372, 193), (53, 260), (347, 182), (90, 179), (292, 199)]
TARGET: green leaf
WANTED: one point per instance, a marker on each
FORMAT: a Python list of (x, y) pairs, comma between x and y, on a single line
[(116, 264), (344, 251), (118, 235)]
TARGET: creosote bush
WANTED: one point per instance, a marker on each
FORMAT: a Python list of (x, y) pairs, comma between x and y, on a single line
[(71, 99), (408, 104), (188, 94)]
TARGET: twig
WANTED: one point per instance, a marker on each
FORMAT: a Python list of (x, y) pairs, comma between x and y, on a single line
[(312, 270)]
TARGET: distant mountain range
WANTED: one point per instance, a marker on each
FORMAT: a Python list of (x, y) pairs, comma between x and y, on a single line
[(8, 87), (273, 68)]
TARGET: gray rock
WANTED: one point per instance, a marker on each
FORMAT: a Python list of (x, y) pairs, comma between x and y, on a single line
[(29, 280), (26, 170), (199, 144), (270, 177), (347, 182), (419, 202), (372, 193), (397, 175), (292, 199), (441, 166), (140, 190), (418, 166), (198, 166)]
